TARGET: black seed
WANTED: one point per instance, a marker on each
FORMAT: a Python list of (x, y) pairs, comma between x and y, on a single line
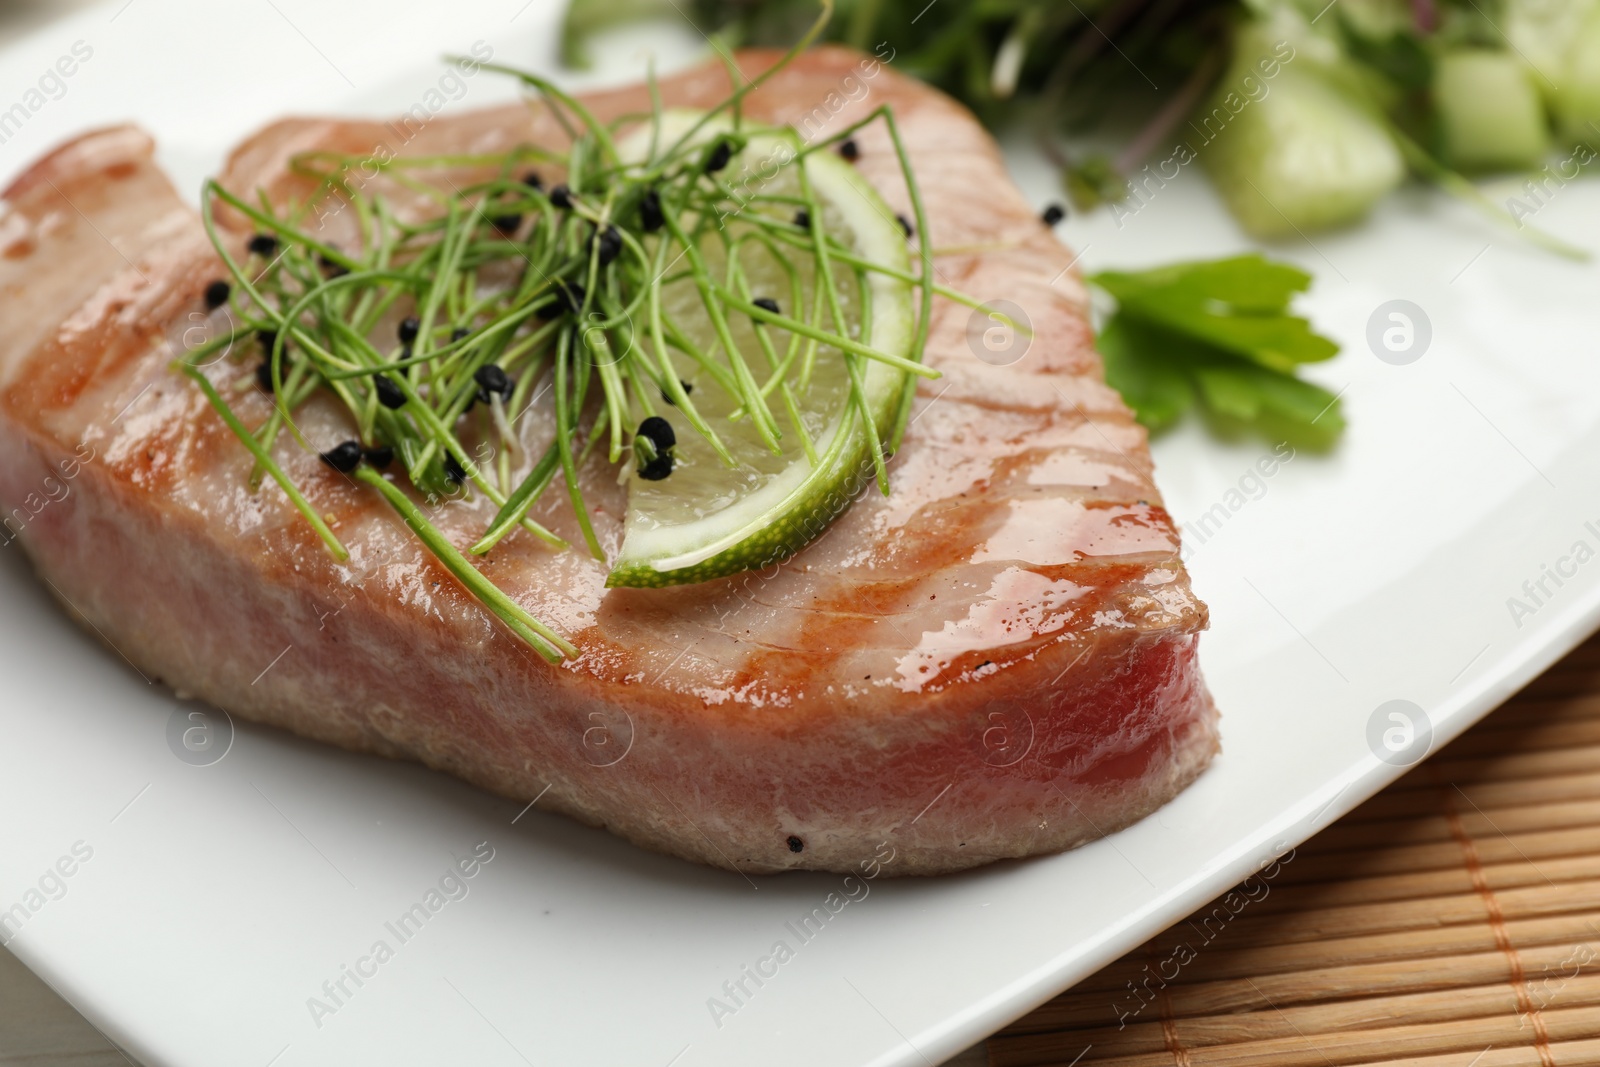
[(263, 244), (766, 303), (561, 197), (532, 180), (650, 217), (905, 224), (389, 394), (268, 338), (379, 457), (264, 376), (1053, 214), (608, 242), (458, 333), (409, 326), (688, 388), (795, 844), (217, 294), (802, 219), (720, 154), (659, 432), (493, 379), (507, 223), (343, 458), (657, 468), (849, 149), (453, 469)]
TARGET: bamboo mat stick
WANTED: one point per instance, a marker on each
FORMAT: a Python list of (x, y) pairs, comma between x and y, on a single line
[(1481, 796), (1506, 767), (1543, 968), (1156, 1035), (1386, 917), (1565, 1053), (1412, 885), (1421, 829), (1378, 859), (1272, 959), (1532, 711), (1530, 737), (1361, 1046)]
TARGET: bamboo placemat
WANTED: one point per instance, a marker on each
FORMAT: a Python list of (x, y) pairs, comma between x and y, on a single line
[(1451, 921)]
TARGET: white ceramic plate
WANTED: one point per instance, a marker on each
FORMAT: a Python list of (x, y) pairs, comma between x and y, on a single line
[(217, 899)]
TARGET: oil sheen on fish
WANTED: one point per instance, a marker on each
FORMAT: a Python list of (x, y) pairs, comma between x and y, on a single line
[(996, 660)]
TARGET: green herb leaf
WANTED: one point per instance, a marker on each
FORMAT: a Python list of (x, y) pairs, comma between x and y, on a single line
[(1398, 54), (1140, 365), (1238, 304), (1219, 332)]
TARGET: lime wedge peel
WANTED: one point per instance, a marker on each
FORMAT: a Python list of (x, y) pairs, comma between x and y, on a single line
[(718, 520)]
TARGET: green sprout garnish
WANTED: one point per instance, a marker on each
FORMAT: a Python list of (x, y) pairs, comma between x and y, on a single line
[(507, 288)]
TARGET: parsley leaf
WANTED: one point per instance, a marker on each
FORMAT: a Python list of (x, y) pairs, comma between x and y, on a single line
[(1218, 332)]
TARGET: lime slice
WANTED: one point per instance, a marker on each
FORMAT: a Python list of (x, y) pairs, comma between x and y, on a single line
[(708, 518)]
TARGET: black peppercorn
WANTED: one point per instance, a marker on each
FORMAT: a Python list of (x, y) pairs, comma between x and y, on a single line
[(389, 394), (1053, 214), (653, 442), (608, 244), (658, 468), (650, 217), (409, 328), (721, 152), (263, 244), (849, 149), (492, 378), (561, 197), (659, 431), (217, 294), (343, 457)]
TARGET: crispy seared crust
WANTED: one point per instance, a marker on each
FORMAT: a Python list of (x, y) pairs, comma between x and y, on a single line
[(996, 661)]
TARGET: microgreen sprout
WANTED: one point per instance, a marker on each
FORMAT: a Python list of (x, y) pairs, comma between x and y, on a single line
[(445, 324)]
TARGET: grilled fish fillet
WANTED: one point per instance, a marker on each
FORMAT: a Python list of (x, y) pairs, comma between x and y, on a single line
[(996, 660)]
